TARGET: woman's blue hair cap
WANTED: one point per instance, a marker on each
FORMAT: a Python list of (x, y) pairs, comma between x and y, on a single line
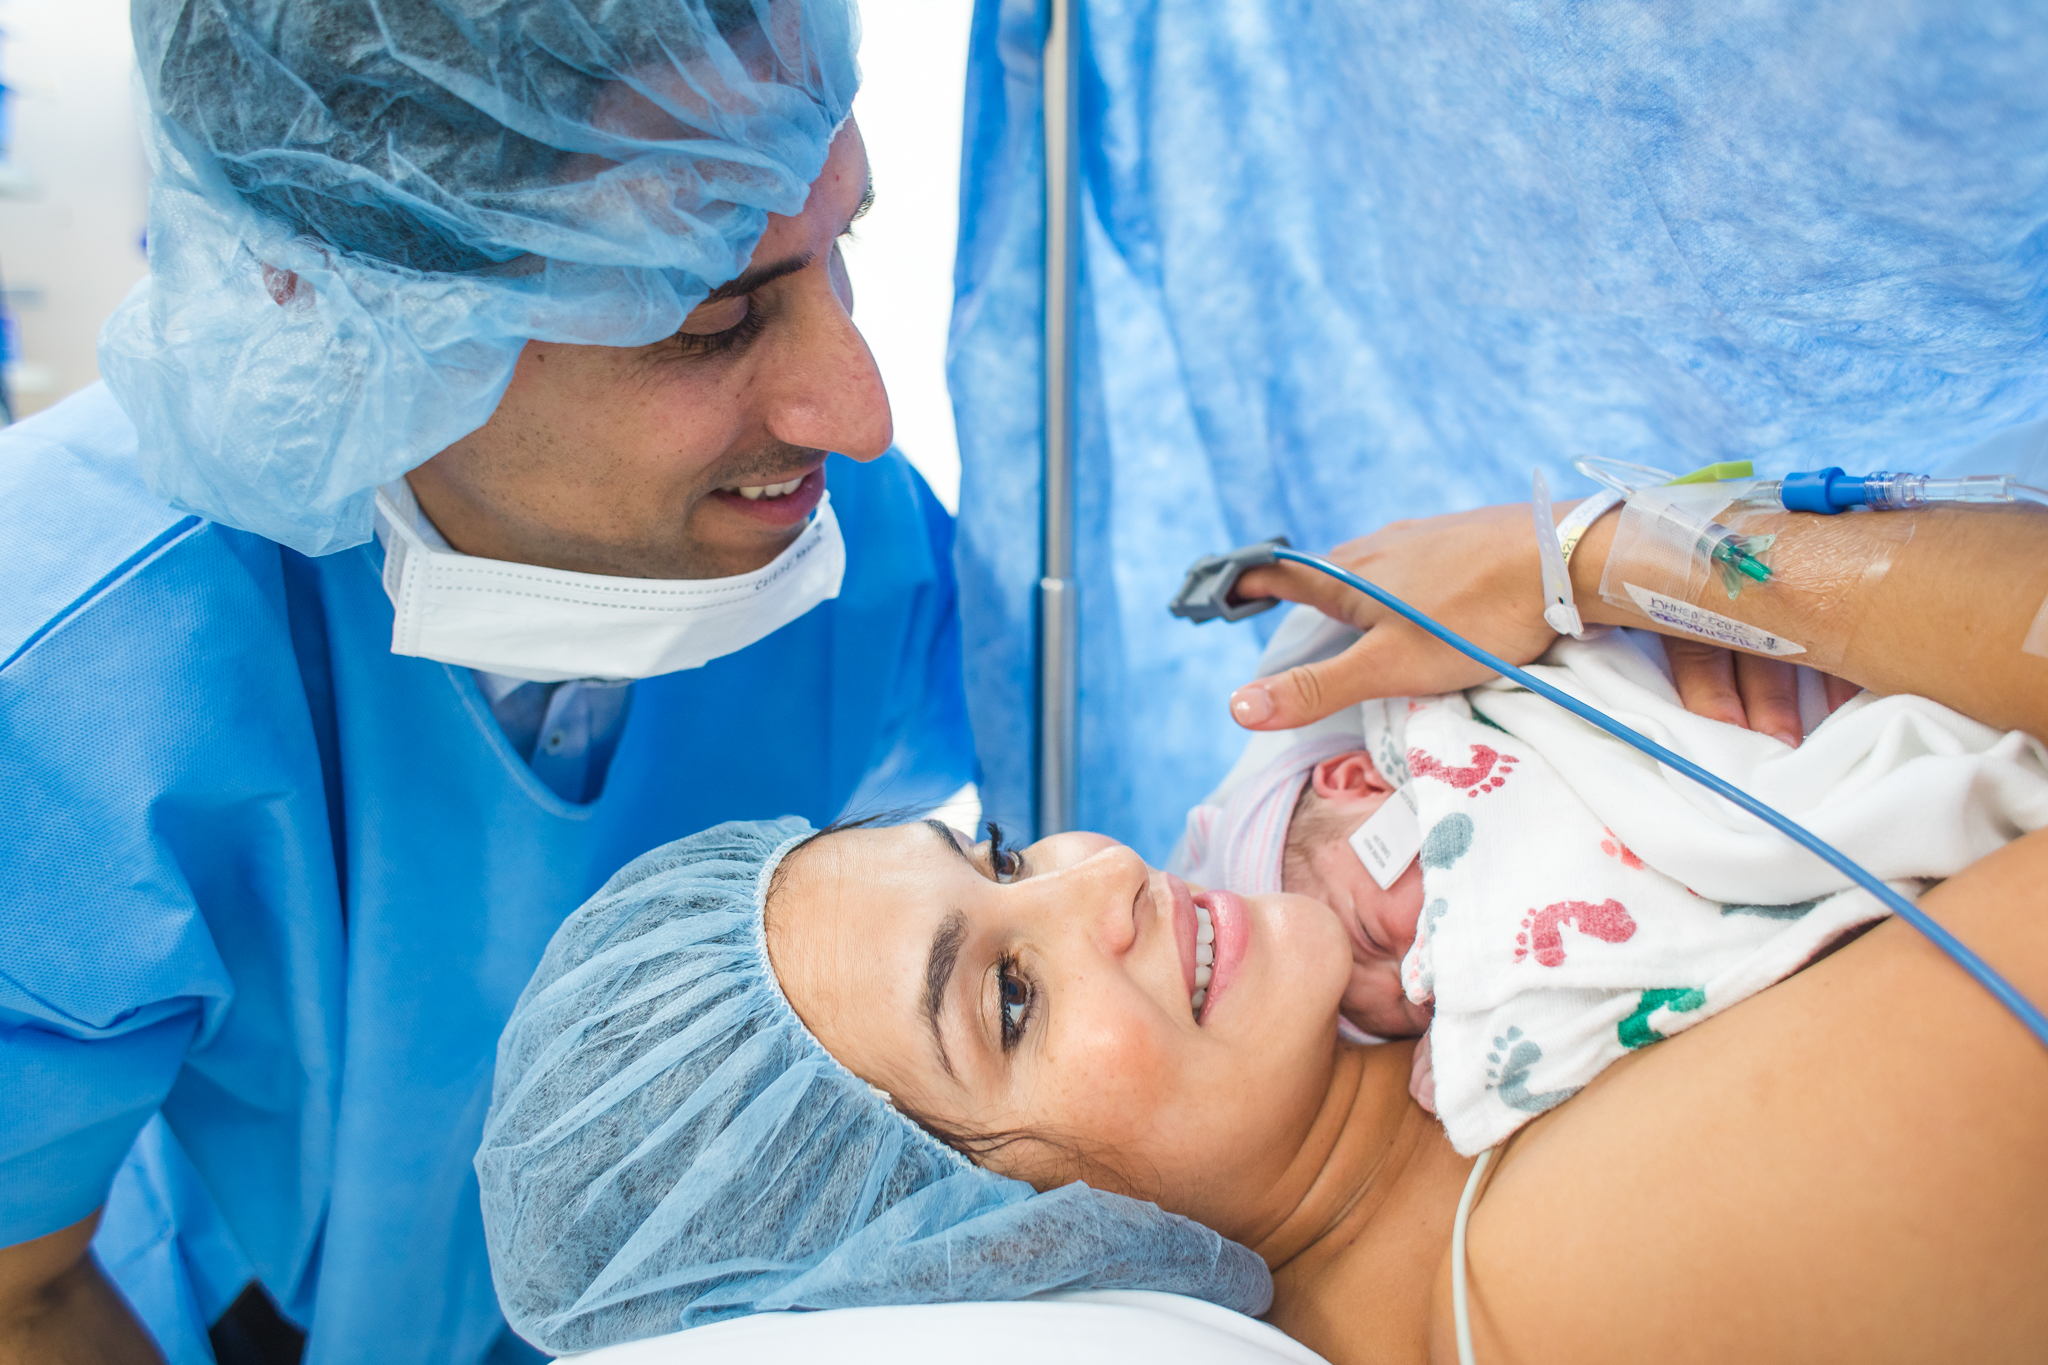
[(668, 1144)]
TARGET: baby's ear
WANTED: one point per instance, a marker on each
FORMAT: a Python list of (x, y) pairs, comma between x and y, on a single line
[(1348, 777)]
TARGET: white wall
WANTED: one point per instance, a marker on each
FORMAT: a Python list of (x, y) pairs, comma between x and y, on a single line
[(72, 247), (913, 59)]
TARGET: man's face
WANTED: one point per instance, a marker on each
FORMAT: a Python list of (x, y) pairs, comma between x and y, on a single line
[(631, 461)]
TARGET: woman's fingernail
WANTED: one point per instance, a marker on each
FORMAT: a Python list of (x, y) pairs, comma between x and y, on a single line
[(1789, 740), (1251, 704)]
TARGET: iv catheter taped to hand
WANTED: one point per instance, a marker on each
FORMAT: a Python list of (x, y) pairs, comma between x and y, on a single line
[(1701, 560)]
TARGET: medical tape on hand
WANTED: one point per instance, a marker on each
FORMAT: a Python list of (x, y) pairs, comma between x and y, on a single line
[(1662, 567), (2036, 642)]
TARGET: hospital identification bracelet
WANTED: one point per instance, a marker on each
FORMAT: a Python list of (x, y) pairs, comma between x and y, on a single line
[(1580, 520), (1555, 542)]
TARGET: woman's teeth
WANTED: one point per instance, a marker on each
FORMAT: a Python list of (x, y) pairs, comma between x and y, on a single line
[(1205, 957), (756, 492)]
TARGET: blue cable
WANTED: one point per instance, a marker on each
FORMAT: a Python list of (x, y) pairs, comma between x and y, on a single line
[(1986, 976)]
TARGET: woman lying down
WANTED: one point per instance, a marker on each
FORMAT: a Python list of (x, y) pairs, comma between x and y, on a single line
[(769, 1068)]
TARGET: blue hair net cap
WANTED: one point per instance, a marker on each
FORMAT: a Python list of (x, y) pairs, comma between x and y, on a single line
[(362, 210), (668, 1145)]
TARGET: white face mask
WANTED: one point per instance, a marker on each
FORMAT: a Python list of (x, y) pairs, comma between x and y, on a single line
[(550, 625)]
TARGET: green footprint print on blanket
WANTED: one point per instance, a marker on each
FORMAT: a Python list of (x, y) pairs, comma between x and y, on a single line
[(1509, 1074), (1635, 1030)]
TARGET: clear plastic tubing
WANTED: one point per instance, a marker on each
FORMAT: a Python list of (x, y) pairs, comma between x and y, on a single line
[(1830, 490)]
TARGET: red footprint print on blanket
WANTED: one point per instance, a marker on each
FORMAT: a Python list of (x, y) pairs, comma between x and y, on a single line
[(1478, 776), (1542, 930), (1615, 848)]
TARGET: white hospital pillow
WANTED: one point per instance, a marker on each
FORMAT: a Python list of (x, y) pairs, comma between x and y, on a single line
[(1104, 1327)]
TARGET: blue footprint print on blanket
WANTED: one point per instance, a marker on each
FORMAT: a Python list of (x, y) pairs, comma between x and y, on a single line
[(1796, 910), (1431, 913), (1509, 1074), (1448, 840)]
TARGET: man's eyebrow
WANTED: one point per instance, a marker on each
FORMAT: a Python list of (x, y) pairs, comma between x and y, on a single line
[(938, 974), (762, 276), (759, 277)]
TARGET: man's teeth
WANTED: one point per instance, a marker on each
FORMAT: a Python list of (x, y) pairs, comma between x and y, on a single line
[(756, 492), (1205, 957)]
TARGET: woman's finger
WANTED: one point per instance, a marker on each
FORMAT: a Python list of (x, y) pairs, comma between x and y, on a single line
[(1836, 691), (1298, 583), (1704, 675), (1769, 689), (1393, 659)]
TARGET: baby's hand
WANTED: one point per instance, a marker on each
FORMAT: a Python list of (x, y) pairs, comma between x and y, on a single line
[(1422, 1076)]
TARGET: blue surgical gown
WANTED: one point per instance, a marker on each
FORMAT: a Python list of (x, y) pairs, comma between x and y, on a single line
[(264, 876)]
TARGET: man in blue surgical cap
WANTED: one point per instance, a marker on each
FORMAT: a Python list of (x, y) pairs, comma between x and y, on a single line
[(456, 522)]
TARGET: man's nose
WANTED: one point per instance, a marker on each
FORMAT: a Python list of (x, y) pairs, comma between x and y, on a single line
[(829, 393)]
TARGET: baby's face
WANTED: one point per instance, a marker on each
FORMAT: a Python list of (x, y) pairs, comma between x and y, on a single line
[(1380, 922)]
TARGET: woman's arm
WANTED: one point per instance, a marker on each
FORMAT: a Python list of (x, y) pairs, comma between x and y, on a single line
[(1847, 1166), (1945, 620)]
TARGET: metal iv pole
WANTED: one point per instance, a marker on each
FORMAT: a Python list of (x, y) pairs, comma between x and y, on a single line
[(1058, 623)]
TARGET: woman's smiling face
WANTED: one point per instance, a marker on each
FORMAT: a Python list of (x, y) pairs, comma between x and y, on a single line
[(1047, 992)]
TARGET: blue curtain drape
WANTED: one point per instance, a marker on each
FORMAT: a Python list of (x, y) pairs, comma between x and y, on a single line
[(1351, 262)]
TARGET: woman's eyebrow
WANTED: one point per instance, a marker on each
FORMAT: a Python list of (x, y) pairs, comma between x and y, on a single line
[(945, 952), (947, 837), (938, 975)]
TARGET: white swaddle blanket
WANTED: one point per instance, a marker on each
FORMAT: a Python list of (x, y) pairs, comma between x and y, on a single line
[(1581, 901)]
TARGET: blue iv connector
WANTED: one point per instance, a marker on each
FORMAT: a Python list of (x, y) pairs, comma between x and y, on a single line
[(1829, 491)]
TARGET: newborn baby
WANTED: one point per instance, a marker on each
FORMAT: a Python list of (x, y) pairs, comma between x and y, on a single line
[(1537, 898), (1343, 798), (1339, 796)]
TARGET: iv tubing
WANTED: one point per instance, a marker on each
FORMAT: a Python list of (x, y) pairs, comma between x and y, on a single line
[(1985, 974)]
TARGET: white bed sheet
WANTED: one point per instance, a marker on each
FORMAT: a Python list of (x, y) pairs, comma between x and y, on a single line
[(1091, 1328)]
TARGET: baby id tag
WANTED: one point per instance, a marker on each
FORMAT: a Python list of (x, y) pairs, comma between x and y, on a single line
[(1388, 841)]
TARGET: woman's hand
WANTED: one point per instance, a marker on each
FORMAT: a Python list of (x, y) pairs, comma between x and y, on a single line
[(1478, 573), (1746, 689)]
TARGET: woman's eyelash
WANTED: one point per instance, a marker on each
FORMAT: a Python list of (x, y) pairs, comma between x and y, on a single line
[(734, 338), (1014, 1000), (1005, 862)]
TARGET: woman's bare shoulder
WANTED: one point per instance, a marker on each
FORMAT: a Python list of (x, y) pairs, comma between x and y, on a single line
[(1848, 1165)]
